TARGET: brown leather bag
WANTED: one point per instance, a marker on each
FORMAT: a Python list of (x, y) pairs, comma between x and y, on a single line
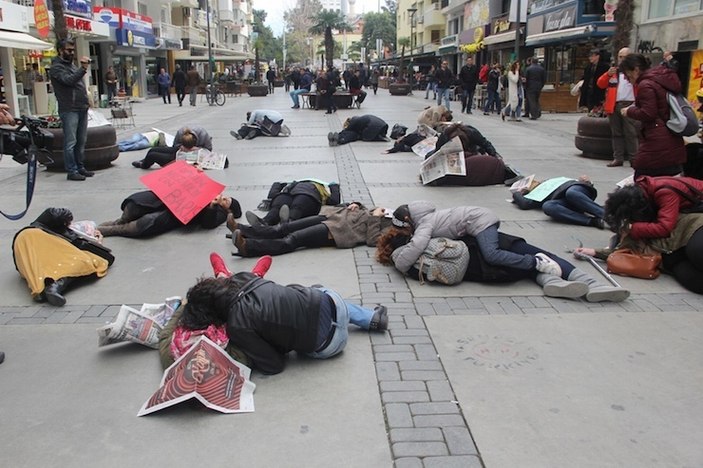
[(627, 262)]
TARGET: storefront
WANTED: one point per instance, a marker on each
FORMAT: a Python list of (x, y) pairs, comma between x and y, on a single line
[(500, 44), (134, 42), (14, 38)]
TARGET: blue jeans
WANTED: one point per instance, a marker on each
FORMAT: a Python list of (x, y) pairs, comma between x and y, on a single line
[(443, 93), (574, 207), (75, 133), (517, 112), (491, 252), (294, 95), (522, 247), (430, 87), (467, 99), (493, 99), (346, 312)]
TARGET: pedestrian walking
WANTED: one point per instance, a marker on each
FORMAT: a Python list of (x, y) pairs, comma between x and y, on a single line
[(535, 78), (444, 77), (164, 82), (469, 79), (193, 83)]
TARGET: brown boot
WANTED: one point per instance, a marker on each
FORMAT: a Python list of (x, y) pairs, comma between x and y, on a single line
[(239, 242), (231, 222)]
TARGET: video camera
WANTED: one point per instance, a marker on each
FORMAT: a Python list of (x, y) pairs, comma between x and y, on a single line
[(18, 141)]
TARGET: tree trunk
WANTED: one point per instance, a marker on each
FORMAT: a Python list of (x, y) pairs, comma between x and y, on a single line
[(329, 47), (60, 30), (623, 25)]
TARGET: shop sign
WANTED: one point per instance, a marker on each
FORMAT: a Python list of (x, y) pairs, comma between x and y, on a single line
[(501, 25), (78, 24), (41, 18), (82, 8), (108, 15), (136, 22), (540, 5), (13, 17), (125, 37), (562, 19)]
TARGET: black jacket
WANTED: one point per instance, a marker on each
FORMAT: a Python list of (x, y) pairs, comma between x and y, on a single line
[(305, 187), (469, 77), (493, 77), (477, 143), (535, 77), (271, 320), (69, 88), (444, 78), (369, 127), (179, 79)]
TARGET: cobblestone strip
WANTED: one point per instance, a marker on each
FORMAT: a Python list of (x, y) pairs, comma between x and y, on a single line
[(425, 425)]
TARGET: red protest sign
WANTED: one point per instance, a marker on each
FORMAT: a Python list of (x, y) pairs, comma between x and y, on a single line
[(183, 189)]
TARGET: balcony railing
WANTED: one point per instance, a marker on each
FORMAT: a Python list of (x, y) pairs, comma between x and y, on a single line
[(167, 30), (226, 16), (195, 35)]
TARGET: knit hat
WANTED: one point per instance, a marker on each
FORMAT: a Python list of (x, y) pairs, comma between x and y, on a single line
[(400, 215)]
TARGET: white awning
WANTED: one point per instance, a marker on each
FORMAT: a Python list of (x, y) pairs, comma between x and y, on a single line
[(20, 40), (500, 38), (559, 34)]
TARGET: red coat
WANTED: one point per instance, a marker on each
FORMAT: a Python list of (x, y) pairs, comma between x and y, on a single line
[(611, 91), (667, 202), (659, 148)]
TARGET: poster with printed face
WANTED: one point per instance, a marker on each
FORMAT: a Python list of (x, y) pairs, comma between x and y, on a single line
[(208, 374), (184, 189), (695, 81)]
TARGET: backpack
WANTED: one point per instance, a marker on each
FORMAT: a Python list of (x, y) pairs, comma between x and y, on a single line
[(444, 261), (483, 74), (694, 196), (682, 119)]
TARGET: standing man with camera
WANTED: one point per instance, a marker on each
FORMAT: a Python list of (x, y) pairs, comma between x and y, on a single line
[(72, 97)]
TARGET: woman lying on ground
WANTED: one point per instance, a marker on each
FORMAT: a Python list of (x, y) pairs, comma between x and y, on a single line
[(343, 226), (50, 256), (301, 198), (484, 166), (186, 139), (571, 283), (265, 320), (363, 127), (570, 202), (652, 215), (145, 215)]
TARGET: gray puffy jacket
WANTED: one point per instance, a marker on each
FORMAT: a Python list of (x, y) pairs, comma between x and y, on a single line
[(452, 223)]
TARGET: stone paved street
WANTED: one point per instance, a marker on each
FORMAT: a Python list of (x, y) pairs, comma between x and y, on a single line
[(473, 375)]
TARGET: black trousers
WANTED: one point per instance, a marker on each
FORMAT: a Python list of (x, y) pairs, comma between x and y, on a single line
[(300, 206), (310, 237), (533, 108), (686, 263), (278, 231), (160, 155), (180, 95)]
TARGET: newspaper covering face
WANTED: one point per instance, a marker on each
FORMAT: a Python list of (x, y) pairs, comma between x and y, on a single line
[(448, 160), (139, 326), (202, 158)]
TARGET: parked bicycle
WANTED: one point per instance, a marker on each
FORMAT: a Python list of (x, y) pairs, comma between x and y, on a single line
[(214, 95)]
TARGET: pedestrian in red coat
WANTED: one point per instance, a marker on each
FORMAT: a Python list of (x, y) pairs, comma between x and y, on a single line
[(660, 151)]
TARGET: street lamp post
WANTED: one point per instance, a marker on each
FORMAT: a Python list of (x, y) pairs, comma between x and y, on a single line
[(210, 58), (412, 12)]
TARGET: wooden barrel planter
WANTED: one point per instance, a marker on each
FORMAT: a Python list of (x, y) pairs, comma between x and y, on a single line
[(594, 138), (278, 83), (256, 90), (400, 89), (100, 148)]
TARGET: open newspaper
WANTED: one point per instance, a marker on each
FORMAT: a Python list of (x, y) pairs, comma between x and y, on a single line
[(203, 158), (448, 160), (139, 326), (207, 373)]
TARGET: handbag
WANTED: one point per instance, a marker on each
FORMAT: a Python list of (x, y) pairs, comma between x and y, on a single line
[(444, 261), (627, 262), (576, 89)]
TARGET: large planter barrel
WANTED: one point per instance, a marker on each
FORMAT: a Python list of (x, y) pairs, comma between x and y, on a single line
[(400, 89), (257, 90), (594, 138), (100, 148)]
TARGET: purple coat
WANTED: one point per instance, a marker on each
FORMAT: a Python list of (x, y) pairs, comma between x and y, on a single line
[(658, 148)]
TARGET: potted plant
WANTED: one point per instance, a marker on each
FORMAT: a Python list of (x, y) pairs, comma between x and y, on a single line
[(100, 147)]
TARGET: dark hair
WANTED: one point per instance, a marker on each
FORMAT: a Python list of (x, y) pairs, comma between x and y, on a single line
[(594, 52), (390, 240), (189, 139), (632, 61), (62, 43), (401, 215), (626, 205), (514, 65), (206, 303)]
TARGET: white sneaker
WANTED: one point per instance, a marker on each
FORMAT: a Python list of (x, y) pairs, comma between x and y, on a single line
[(544, 264)]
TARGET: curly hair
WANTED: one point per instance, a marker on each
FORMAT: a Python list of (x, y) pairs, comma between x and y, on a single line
[(627, 205), (390, 240), (206, 303)]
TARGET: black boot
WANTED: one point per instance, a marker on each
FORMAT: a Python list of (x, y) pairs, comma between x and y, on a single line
[(53, 291)]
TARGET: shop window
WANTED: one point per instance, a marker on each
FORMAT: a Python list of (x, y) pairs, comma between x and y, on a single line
[(504, 7), (660, 9), (594, 7), (141, 9)]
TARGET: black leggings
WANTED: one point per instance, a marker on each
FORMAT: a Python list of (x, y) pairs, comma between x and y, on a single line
[(686, 264), (278, 231), (160, 155), (310, 237), (300, 206)]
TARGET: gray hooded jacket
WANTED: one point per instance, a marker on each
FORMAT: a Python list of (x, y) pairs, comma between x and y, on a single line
[(452, 223)]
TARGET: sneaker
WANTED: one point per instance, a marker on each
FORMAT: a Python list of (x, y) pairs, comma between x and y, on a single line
[(231, 222), (218, 266), (235, 134), (239, 242), (379, 321), (332, 139), (597, 223), (86, 173), (75, 176), (137, 164), (545, 264), (252, 134), (262, 266), (284, 214), (162, 138), (253, 219)]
